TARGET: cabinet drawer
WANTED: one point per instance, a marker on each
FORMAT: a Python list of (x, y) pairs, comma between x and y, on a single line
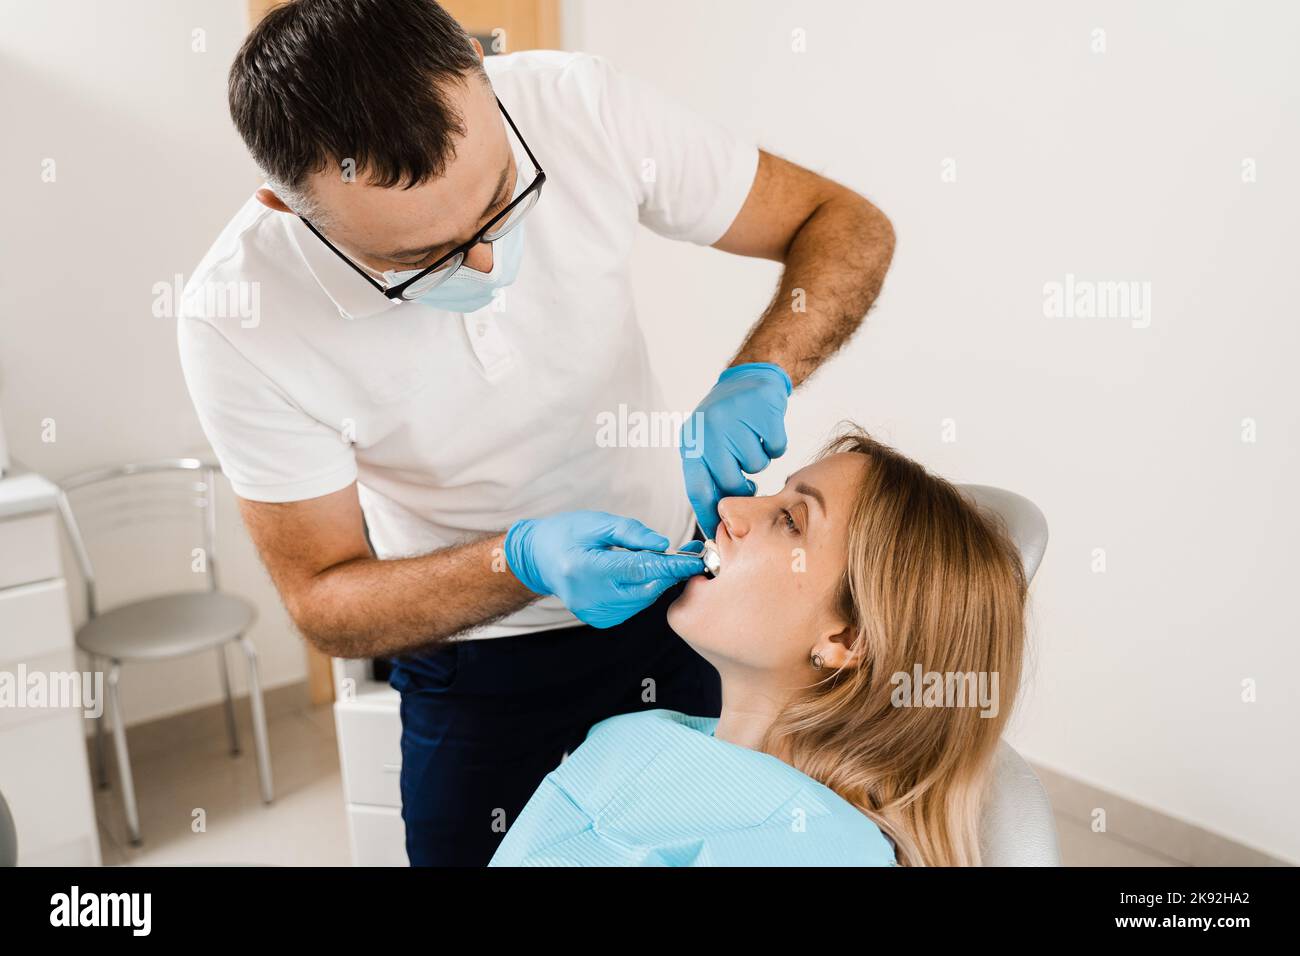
[(29, 549), (34, 620), (83, 851), (46, 781), (63, 694), (378, 836), (370, 752)]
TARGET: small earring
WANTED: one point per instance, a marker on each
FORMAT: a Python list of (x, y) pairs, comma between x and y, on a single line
[(817, 661)]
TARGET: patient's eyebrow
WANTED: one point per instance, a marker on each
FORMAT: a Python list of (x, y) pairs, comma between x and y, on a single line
[(813, 493)]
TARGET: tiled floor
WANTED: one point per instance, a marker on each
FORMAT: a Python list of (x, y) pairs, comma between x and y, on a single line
[(305, 825)]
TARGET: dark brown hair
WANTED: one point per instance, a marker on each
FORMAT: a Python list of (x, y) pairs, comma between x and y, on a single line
[(321, 81)]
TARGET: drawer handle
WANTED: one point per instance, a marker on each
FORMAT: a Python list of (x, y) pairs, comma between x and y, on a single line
[(392, 768)]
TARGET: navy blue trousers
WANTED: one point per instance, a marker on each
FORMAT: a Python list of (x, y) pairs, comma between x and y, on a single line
[(483, 721)]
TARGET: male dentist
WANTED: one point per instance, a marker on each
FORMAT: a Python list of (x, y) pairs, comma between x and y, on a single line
[(440, 256)]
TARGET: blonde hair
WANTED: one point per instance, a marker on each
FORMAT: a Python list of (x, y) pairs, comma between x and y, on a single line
[(929, 581)]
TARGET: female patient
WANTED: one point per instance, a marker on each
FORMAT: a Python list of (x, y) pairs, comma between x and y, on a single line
[(862, 572)]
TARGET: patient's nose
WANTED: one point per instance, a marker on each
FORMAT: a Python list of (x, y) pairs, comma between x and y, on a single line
[(734, 513)]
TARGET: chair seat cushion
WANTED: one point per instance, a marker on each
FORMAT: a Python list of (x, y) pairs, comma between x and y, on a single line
[(166, 626)]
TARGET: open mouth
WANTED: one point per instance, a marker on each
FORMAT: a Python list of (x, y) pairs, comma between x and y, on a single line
[(720, 546), (712, 558)]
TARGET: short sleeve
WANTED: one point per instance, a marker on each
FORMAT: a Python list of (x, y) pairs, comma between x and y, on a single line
[(690, 174), (268, 447)]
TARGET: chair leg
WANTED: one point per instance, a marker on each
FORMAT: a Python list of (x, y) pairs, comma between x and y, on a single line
[(259, 721), (123, 758), (224, 666), (101, 760)]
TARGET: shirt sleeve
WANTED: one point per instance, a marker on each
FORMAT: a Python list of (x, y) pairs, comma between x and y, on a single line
[(268, 447), (690, 175)]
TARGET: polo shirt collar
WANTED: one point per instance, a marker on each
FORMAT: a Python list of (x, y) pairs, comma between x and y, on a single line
[(353, 295)]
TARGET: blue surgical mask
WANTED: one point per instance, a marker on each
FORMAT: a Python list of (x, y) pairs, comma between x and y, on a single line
[(469, 290)]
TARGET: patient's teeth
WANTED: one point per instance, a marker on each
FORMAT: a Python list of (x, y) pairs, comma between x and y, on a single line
[(712, 559)]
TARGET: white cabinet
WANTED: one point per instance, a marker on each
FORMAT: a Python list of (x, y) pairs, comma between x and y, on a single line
[(29, 550), (369, 727), (370, 753), (377, 835), (44, 771)]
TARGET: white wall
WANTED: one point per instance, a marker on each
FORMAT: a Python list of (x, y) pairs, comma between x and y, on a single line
[(147, 171), (1124, 165)]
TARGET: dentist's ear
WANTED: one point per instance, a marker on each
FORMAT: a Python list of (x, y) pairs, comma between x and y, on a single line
[(270, 200)]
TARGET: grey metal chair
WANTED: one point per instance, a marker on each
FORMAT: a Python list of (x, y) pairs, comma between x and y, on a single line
[(166, 626), (1018, 827)]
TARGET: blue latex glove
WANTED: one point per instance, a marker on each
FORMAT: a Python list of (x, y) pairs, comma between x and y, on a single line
[(740, 428), (568, 555)]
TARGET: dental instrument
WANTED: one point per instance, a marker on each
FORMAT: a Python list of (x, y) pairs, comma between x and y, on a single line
[(711, 557)]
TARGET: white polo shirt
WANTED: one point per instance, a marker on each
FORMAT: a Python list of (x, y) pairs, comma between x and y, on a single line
[(305, 378)]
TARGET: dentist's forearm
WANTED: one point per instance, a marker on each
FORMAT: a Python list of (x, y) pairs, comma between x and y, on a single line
[(368, 607), (834, 269)]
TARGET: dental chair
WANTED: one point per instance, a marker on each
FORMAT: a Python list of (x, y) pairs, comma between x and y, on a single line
[(8, 836), (1018, 828)]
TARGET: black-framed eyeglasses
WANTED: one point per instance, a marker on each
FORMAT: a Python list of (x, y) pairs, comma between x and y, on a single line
[(443, 269)]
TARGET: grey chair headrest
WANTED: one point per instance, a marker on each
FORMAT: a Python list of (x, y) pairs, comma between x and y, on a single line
[(1018, 828), (1024, 521)]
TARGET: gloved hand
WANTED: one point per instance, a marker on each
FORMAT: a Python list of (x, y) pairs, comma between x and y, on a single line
[(568, 555), (739, 427)]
